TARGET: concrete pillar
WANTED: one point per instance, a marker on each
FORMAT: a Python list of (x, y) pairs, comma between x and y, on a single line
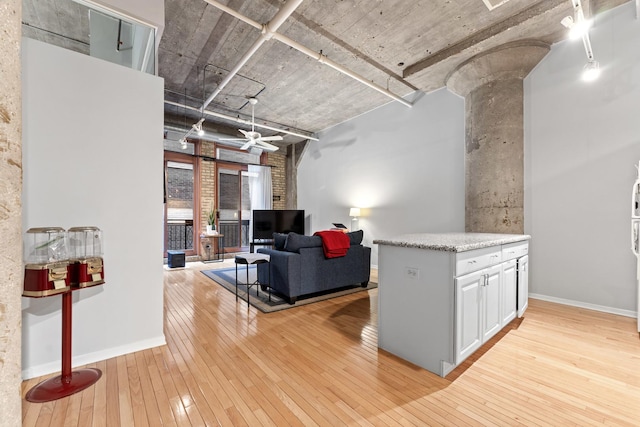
[(491, 83), (10, 213)]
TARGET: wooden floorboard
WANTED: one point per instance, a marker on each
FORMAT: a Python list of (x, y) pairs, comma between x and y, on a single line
[(318, 365)]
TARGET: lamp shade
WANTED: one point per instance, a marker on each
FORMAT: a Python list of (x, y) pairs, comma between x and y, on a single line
[(354, 212)]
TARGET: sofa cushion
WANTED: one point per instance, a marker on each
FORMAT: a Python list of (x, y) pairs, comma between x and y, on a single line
[(279, 240), (296, 241), (355, 237)]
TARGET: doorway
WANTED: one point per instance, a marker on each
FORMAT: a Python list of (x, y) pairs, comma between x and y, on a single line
[(234, 206), (180, 197)]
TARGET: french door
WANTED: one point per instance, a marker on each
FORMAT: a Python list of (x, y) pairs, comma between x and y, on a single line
[(234, 206), (180, 203)]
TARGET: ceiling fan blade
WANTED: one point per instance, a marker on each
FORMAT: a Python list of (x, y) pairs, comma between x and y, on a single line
[(248, 144), (271, 138), (244, 132), (266, 146)]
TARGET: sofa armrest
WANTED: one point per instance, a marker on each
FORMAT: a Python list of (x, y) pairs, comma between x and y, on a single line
[(285, 271)]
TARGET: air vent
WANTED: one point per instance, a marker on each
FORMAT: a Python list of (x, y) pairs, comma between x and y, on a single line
[(492, 4)]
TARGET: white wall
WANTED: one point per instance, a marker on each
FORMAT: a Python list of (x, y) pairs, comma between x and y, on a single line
[(404, 165), (581, 144), (93, 155)]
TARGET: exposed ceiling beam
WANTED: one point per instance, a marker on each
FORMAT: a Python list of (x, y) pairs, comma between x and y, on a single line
[(268, 29), (269, 32)]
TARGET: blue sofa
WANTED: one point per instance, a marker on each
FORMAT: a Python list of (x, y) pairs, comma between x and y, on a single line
[(299, 267)]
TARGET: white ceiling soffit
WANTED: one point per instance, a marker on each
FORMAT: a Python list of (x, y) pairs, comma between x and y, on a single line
[(492, 4)]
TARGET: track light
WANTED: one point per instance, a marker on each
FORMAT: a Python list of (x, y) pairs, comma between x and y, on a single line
[(591, 71), (567, 22), (579, 28), (198, 127)]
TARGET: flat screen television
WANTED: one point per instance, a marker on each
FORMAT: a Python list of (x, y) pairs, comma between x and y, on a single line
[(267, 222)]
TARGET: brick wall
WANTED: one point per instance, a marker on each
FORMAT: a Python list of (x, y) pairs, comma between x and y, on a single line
[(278, 179), (207, 182)]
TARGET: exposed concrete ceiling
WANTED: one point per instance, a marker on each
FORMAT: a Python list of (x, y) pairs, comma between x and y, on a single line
[(401, 45)]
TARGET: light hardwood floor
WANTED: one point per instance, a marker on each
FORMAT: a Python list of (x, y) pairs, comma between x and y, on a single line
[(319, 364)]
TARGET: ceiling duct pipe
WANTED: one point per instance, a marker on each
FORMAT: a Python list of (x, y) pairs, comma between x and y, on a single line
[(269, 31), (282, 15), (239, 120)]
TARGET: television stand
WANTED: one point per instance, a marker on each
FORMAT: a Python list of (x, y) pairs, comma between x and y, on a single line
[(260, 242)]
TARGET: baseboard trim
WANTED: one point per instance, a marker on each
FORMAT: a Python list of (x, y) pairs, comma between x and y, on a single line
[(580, 304), (85, 359)]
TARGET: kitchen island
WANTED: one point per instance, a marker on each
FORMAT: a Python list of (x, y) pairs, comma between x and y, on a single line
[(441, 296)]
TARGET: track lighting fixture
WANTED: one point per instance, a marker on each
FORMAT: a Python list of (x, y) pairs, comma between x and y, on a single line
[(579, 28), (198, 127), (591, 71)]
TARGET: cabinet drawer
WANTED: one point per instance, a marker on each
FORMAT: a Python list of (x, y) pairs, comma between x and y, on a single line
[(514, 250), (469, 261)]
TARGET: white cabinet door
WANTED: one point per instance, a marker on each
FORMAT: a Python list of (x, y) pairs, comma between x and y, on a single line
[(468, 314), (509, 291), (523, 284), (491, 318)]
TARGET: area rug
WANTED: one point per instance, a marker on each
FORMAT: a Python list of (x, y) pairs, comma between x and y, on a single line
[(227, 278)]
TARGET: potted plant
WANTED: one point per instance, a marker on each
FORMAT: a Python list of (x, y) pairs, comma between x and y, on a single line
[(211, 221)]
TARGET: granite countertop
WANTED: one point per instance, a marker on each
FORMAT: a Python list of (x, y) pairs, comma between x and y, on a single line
[(451, 242)]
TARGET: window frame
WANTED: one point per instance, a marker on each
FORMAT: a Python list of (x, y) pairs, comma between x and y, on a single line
[(172, 156)]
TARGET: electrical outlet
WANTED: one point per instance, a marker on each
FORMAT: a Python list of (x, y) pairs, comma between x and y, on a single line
[(412, 273)]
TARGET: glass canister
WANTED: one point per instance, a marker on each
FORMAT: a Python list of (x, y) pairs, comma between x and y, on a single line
[(46, 262), (85, 242), (86, 265)]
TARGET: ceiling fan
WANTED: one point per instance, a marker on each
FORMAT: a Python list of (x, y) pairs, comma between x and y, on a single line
[(253, 138)]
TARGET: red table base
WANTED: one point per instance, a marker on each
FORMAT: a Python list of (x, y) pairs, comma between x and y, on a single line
[(59, 386)]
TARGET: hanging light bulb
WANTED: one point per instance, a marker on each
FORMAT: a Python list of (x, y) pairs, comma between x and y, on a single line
[(183, 143), (591, 71)]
